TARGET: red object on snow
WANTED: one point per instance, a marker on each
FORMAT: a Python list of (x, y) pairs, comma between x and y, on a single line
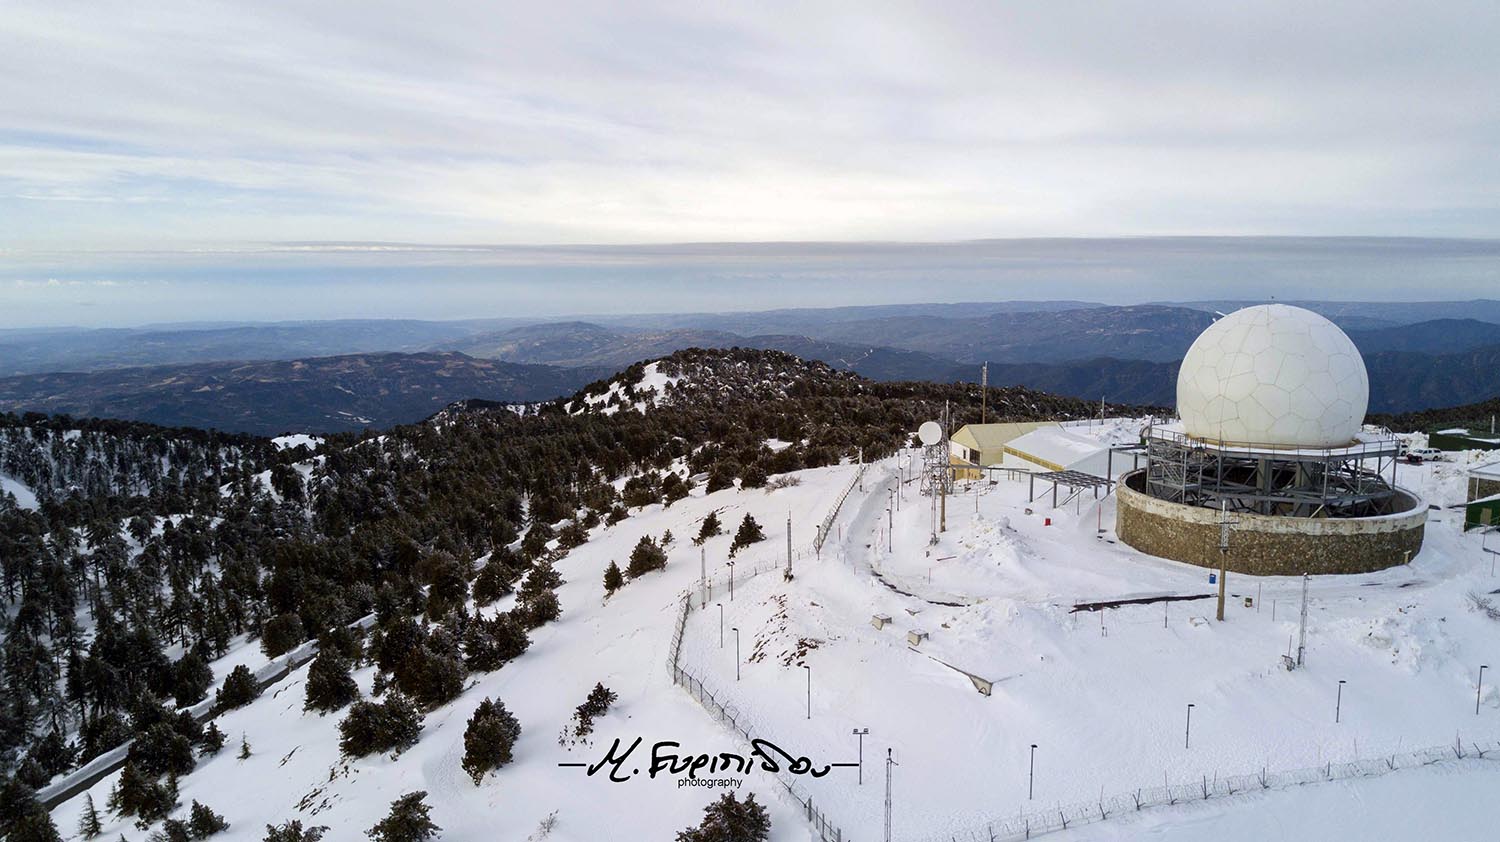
[(1047, 522)]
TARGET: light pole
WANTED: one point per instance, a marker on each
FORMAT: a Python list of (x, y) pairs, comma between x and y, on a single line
[(1478, 691), (736, 630), (1187, 739), (731, 581), (1031, 775), (890, 526), (860, 733), (721, 624), (1338, 705), (809, 690)]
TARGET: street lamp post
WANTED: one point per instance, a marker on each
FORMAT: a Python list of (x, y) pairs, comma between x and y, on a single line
[(731, 581), (1031, 775), (1338, 705), (736, 630), (860, 733), (721, 624), (1187, 739), (1479, 691), (809, 690)]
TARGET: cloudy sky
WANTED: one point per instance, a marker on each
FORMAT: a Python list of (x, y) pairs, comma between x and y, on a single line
[(182, 127)]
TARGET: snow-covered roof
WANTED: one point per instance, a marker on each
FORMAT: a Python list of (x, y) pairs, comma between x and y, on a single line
[(995, 436), (1489, 470), (1054, 447)]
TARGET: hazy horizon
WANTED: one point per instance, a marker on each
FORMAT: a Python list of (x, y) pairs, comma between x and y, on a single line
[(307, 282)]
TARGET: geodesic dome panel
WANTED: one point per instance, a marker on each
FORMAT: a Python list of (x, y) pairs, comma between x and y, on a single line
[(1273, 375)]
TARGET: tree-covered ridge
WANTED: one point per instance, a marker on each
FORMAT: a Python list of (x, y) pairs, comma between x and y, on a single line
[(185, 540)]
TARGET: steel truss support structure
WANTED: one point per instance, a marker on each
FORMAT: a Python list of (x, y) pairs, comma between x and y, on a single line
[(1354, 481)]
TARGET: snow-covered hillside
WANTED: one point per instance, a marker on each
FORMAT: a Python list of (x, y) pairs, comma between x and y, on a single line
[(1103, 695)]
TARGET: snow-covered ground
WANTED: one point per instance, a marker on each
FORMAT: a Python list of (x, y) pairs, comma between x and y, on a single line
[(1102, 695), (295, 771), (297, 440), (24, 496)]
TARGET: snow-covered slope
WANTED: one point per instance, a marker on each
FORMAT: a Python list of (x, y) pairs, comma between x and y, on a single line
[(1103, 695)]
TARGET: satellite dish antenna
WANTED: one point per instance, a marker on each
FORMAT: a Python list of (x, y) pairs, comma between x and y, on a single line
[(930, 433)]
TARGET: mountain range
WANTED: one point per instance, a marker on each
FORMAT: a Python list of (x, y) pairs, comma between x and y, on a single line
[(327, 376)]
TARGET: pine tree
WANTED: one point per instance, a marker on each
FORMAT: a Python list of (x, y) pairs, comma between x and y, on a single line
[(710, 528), (329, 685), (646, 557), (203, 822), (730, 820), (192, 677), (213, 740), (22, 816), (541, 609), (392, 725), (281, 634), (89, 825), (244, 747), (489, 739), (240, 688), (292, 831), (748, 533), (613, 579), (408, 821)]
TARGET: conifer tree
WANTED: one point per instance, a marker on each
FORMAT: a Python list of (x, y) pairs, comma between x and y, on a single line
[(408, 821), (203, 822), (89, 825), (329, 685), (489, 739), (730, 820), (192, 677), (213, 740), (748, 533), (240, 688), (613, 579), (710, 528), (646, 557), (244, 747), (292, 831)]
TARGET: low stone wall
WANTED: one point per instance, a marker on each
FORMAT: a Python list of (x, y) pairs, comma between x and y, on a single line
[(1262, 545)]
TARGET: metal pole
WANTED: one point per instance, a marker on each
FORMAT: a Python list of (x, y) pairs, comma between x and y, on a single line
[(721, 624), (809, 690), (736, 630), (1478, 691), (731, 581), (703, 575), (1338, 705), (1302, 631), (1031, 775), (889, 762), (1187, 739), (860, 733), (788, 545)]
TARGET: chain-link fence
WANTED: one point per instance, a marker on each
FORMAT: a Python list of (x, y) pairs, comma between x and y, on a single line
[(721, 707), (827, 525), (1033, 823)]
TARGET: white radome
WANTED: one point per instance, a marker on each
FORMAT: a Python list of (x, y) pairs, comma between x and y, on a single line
[(1273, 375)]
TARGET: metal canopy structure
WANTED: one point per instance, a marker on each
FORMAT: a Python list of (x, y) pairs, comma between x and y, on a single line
[(1353, 481), (1076, 481)]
